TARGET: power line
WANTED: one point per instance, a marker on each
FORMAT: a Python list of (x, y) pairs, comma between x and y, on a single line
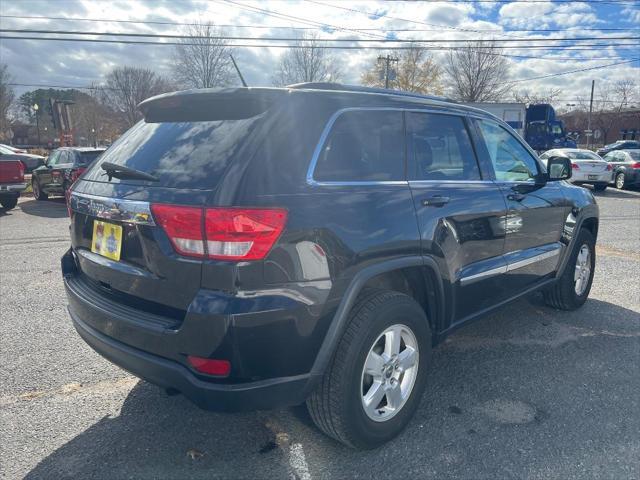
[(571, 71), (321, 47), (286, 27), (293, 39)]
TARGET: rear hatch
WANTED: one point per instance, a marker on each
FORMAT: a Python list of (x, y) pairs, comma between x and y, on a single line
[(139, 239), (593, 167)]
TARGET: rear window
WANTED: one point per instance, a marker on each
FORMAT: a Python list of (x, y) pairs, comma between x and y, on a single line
[(180, 154), (635, 155), (85, 158), (363, 146), (582, 156)]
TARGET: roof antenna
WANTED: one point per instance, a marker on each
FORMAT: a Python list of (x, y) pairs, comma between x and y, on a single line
[(244, 84)]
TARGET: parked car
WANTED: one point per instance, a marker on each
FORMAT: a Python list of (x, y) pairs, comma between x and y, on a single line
[(253, 248), (63, 167), (626, 167), (619, 145), (30, 162), (11, 182), (12, 148), (588, 167)]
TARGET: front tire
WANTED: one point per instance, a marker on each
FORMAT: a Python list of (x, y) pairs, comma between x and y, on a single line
[(620, 181), (37, 191), (374, 383), (573, 287)]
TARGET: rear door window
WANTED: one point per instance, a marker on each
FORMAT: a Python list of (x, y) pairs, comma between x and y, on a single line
[(363, 146), (439, 148)]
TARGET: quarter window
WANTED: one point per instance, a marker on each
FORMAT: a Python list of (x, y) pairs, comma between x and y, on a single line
[(512, 162), (439, 148), (363, 145)]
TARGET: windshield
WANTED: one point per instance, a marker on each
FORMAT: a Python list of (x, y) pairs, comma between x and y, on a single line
[(556, 129), (5, 151), (582, 156), (180, 154)]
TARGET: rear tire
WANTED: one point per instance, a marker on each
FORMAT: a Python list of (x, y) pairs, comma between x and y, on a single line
[(366, 407), (620, 181), (600, 187), (572, 288), (9, 203), (37, 191)]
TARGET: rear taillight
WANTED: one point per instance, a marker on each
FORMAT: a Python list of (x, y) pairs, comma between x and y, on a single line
[(609, 167), (183, 226), (218, 368), (636, 165), (575, 166), (242, 233), (76, 174), (221, 233)]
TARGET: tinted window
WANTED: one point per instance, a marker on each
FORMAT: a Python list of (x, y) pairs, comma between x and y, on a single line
[(179, 154), (439, 148), (582, 156), (363, 146), (85, 158), (635, 155), (512, 162)]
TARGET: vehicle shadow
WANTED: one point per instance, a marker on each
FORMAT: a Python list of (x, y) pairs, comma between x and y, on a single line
[(504, 396), (611, 192), (52, 208)]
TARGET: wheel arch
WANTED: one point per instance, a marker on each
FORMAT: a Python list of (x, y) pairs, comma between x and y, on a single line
[(589, 219), (405, 274)]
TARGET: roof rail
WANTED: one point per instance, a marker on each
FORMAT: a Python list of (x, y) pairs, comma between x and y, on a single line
[(362, 89)]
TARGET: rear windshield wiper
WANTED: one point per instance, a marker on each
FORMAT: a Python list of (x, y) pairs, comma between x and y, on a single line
[(122, 172)]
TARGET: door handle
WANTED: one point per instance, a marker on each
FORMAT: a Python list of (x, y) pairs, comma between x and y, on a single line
[(517, 197), (435, 201)]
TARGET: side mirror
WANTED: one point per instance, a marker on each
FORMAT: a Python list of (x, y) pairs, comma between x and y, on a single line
[(559, 168)]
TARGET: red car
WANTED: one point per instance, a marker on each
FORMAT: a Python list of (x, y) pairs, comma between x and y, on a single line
[(11, 182)]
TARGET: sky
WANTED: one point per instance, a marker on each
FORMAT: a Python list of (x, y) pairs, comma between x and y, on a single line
[(77, 64)]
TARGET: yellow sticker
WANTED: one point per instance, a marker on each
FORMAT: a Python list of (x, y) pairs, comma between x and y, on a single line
[(107, 239)]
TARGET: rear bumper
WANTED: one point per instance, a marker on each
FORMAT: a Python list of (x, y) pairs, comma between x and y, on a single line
[(578, 177), (12, 188), (267, 394), (271, 355)]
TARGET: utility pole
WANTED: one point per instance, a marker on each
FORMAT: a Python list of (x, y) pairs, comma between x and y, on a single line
[(244, 84), (387, 68), (590, 133)]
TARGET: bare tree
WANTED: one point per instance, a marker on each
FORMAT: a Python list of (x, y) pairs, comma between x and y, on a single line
[(550, 96), (203, 60), (126, 87), (416, 72), (7, 96), (477, 72), (609, 103), (307, 62)]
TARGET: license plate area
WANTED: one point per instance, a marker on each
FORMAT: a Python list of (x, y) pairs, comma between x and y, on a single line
[(106, 239), (593, 177)]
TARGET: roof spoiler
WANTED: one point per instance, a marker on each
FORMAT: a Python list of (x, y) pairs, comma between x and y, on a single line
[(209, 104)]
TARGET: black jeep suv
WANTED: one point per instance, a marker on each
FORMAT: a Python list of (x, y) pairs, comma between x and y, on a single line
[(254, 248)]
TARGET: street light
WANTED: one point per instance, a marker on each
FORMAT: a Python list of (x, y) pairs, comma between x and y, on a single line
[(93, 134), (36, 108)]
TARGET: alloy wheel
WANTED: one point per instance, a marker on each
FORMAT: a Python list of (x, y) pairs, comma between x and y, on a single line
[(583, 269), (620, 180), (389, 373)]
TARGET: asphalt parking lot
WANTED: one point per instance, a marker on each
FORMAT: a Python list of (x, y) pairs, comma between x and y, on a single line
[(527, 392)]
